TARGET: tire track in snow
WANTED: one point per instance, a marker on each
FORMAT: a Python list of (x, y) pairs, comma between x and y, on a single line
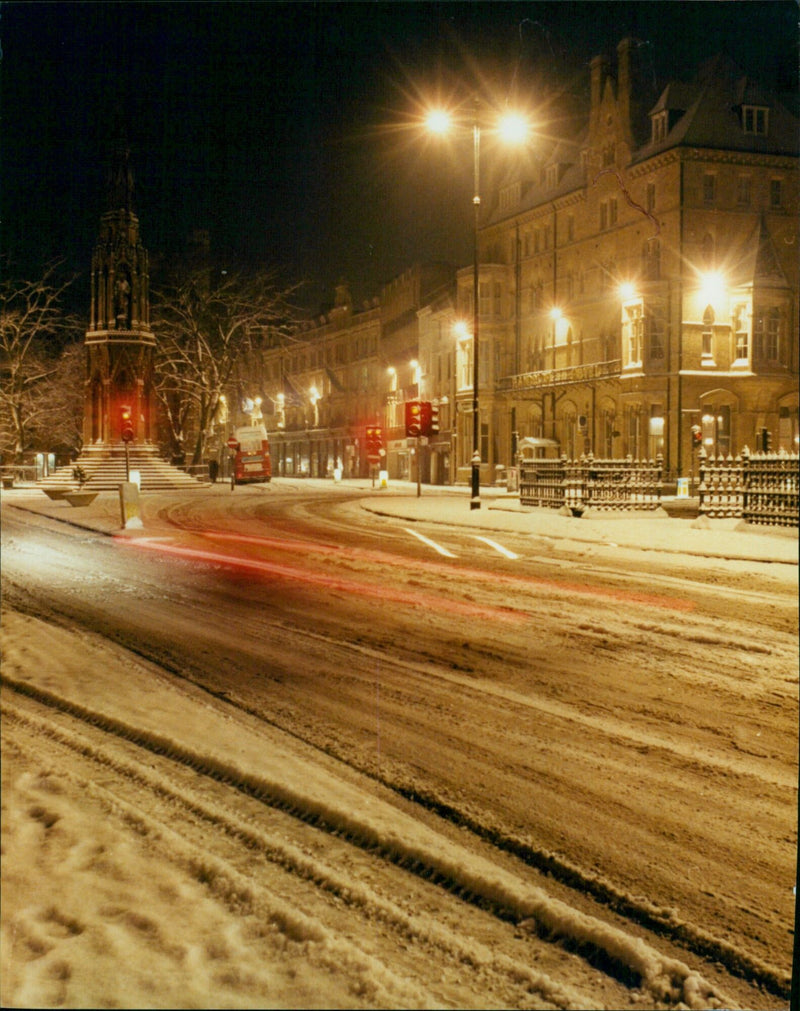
[(417, 849), (232, 887)]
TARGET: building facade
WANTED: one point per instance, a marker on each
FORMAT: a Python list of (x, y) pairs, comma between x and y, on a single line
[(319, 389), (639, 285), (638, 296)]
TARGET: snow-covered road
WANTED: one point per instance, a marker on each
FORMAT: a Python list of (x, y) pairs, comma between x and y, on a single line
[(539, 792)]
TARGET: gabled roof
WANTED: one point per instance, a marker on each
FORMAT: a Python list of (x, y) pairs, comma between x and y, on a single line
[(759, 264)]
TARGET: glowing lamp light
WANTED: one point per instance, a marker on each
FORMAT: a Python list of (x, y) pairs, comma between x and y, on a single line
[(555, 314), (627, 291), (461, 330), (513, 128), (712, 286), (438, 121)]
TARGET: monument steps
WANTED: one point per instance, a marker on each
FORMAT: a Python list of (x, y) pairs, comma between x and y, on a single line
[(104, 468)]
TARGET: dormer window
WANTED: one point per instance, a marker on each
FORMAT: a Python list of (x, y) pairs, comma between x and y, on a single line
[(510, 195), (659, 122), (755, 119)]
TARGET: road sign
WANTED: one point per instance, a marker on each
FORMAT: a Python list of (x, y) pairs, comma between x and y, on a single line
[(233, 442)]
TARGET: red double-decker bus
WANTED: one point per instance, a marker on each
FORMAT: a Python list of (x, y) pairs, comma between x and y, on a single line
[(251, 461)]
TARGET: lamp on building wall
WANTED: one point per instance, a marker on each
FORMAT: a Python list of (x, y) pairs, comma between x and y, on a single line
[(512, 128)]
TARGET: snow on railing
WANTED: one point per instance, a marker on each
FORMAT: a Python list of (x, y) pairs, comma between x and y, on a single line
[(758, 487), (590, 483)]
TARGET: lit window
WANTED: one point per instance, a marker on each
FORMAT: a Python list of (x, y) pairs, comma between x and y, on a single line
[(633, 332), (707, 349), (709, 187), (740, 333)]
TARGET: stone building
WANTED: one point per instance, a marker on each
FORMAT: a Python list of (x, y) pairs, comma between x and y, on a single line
[(639, 277), (318, 389)]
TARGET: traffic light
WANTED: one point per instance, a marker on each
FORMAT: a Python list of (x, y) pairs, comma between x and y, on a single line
[(766, 440), (413, 418), (374, 442), (425, 417), (434, 424), (126, 424), (697, 436)]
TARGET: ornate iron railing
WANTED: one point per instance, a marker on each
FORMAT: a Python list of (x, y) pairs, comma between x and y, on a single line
[(590, 483), (559, 377), (760, 488)]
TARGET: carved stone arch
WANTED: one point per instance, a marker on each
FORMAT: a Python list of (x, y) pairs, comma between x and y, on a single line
[(719, 395), (533, 421)]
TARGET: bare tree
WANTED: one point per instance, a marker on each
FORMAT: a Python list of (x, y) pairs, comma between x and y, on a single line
[(33, 329), (205, 323)]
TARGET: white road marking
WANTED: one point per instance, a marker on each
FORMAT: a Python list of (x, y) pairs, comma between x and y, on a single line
[(497, 547), (431, 544)]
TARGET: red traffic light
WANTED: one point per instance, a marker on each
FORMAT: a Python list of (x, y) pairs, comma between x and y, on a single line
[(126, 424), (374, 442), (413, 418)]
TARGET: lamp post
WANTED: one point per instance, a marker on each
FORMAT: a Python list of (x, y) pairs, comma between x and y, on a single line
[(475, 500), (512, 128)]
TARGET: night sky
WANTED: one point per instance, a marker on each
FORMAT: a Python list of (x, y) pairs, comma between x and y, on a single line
[(286, 129)]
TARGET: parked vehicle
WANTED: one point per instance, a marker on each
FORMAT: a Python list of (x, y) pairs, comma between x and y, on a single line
[(251, 460)]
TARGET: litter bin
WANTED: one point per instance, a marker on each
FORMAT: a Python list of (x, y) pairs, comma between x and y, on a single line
[(683, 487)]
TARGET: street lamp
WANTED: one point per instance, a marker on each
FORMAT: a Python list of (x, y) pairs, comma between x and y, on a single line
[(512, 127)]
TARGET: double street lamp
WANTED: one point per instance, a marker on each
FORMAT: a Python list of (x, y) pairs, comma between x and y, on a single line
[(514, 129)]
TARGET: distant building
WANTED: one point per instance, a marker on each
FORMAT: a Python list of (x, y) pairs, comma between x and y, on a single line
[(319, 389)]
